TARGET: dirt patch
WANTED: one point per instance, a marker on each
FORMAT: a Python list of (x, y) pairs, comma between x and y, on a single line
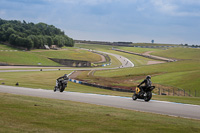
[(154, 62), (148, 53), (75, 74), (103, 59)]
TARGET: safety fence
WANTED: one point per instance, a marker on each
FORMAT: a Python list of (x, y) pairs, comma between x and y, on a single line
[(177, 92)]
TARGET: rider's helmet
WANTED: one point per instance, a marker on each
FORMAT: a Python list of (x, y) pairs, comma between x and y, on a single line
[(66, 75), (148, 77)]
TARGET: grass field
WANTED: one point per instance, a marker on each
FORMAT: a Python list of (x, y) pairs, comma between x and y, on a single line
[(69, 53), (183, 74), (31, 114), (137, 60), (5, 47), (139, 50), (24, 58), (180, 53), (41, 56)]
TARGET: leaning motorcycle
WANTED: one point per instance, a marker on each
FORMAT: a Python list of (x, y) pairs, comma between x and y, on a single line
[(146, 95), (62, 84)]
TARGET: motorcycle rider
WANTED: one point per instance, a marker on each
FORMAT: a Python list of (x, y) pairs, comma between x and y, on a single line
[(147, 83), (60, 79)]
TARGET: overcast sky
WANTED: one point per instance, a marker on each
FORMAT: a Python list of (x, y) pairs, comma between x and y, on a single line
[(165, 21)]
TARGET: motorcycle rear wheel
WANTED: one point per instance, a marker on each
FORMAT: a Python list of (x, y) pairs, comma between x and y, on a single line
[(148, 97), (55, 88)]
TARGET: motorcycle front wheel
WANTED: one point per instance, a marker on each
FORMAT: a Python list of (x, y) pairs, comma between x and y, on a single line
[(62, 88), (134, 97), (148, 96)]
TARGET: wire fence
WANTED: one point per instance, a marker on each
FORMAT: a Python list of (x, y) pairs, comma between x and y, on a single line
[(177, 92)]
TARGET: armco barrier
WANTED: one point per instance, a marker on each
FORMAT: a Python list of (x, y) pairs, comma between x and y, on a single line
[(100, 86)]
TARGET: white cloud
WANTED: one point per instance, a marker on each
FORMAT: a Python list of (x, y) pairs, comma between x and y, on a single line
[(164, 6), (193, 2), (91, 2), (176, 7)]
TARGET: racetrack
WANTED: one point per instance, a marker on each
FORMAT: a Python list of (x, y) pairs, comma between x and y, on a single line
[(159, 107), (124, 63)]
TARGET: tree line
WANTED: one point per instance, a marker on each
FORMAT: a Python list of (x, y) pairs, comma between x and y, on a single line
[(30, 35)]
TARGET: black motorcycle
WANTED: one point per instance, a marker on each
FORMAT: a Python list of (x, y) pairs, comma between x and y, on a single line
[(146, 95), (62, 84)]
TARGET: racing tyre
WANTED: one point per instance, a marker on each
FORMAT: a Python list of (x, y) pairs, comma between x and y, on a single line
[(148, 97), (62, 88), (134, 96)]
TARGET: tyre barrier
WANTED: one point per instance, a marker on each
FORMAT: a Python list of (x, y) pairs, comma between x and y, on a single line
[(105, 65), (75, 81)]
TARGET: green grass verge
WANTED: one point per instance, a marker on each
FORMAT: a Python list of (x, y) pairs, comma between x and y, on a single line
[(69, 53), (31, 114), (138, 50), (6, 47), (41, 56), (40, 79), (24, 58), (180, 53)]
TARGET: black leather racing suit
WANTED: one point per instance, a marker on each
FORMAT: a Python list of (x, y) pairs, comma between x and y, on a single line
[(61, 79), (147, 83)]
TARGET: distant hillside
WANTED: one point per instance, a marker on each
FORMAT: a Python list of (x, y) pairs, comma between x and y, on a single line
[(30, 35)]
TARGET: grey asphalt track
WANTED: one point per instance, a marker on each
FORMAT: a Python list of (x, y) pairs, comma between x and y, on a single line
[(159, 107)]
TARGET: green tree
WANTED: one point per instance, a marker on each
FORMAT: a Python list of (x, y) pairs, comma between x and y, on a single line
[(9, 32), (49, 40), (30, 35), (29, 44), (12, 39)]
